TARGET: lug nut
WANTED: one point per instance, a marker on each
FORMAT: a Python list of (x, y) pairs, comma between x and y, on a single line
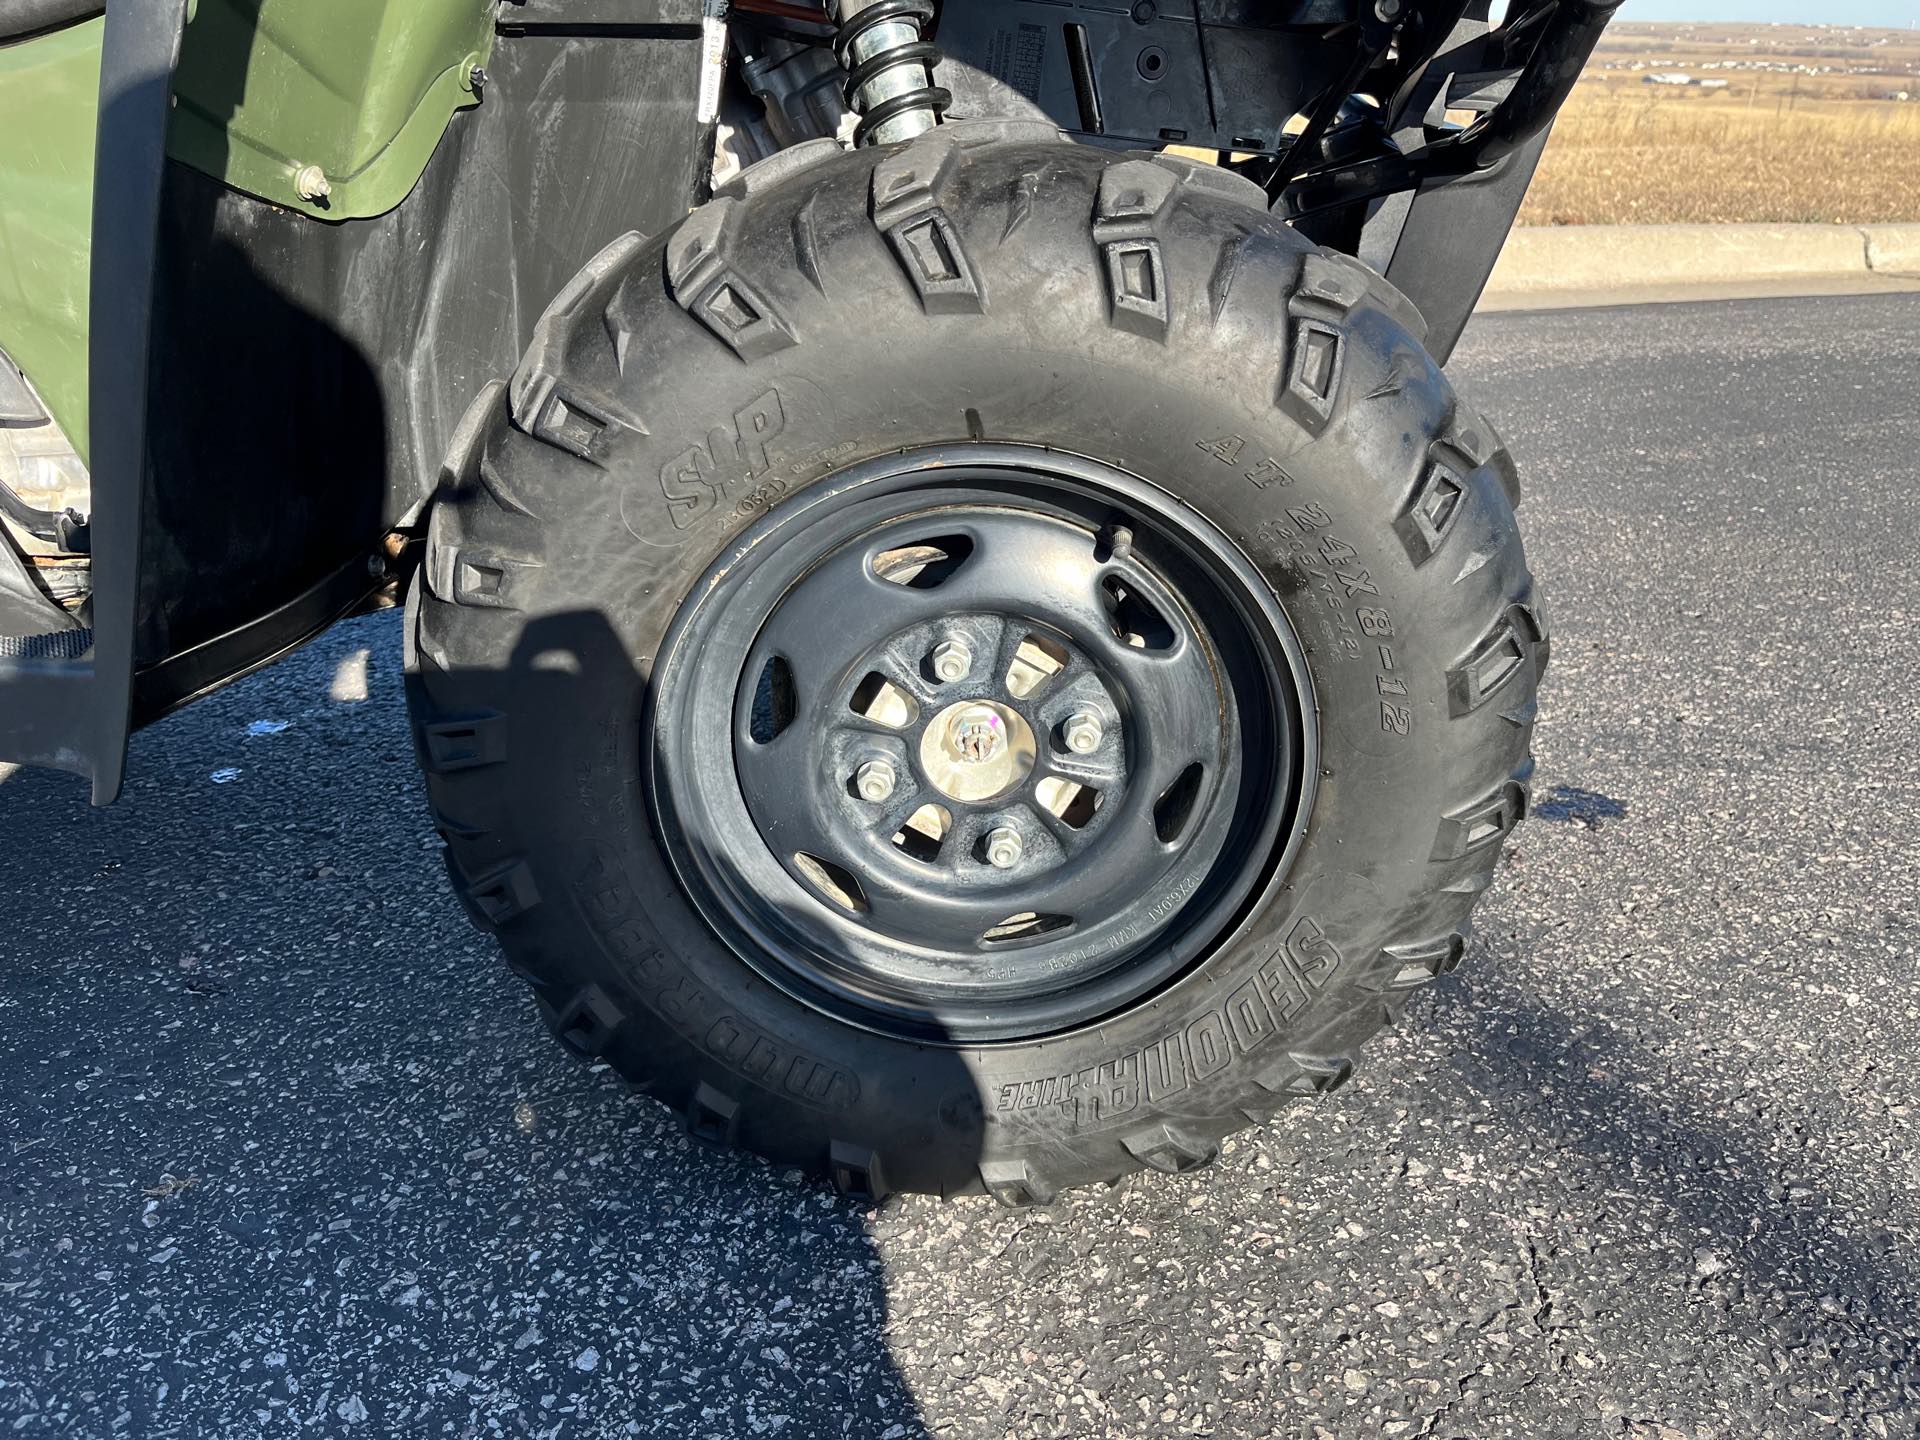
[(952, 660), (1004, 847), (1082, 732), (875, 780)]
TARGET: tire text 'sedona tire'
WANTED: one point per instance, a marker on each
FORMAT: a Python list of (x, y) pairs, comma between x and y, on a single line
[(984, 286)]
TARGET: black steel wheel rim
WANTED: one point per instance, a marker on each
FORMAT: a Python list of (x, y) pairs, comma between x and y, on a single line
[(980, 743)]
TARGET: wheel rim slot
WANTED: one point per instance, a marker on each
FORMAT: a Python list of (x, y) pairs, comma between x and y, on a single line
[(1017, 929), (1175, 807), (924, 832), (1069, 801), (925, 564), (1135, 619), (774, 701), (835, 882), (1035, 661), (878, 699)]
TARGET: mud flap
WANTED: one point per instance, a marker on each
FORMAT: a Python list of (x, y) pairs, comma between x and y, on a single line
[(71, 712)]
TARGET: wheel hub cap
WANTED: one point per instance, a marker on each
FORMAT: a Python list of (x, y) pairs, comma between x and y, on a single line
[(975, 750)]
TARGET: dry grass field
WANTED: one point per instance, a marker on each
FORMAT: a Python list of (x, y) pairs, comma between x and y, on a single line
[(1807, 126)]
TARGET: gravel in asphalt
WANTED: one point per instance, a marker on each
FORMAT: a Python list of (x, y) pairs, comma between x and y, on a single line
[(283, 1148)]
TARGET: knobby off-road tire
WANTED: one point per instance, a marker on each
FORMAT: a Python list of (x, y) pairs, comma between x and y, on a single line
[(985, 284)]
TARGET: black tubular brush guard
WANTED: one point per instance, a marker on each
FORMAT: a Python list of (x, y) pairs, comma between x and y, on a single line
[(1567, 32)]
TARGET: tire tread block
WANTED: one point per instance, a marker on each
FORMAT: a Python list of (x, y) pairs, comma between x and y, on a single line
[(707, 285), (1486, 822), (1408, 967), (471, 576), (1316, 356), (1307, 1075), (1172, 1149), (454, 743), (504, 893), (856, 1171), (535, 398), (1439, 499), (905, 203), (1015, 1185), (588, 1023), (1133, 198), (1508, 649), (712, 1116)]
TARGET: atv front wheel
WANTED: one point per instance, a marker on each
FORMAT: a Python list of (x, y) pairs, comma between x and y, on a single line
[(980, 664)]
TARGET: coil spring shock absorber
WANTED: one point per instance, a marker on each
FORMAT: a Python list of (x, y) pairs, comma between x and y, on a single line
[(889, 68)]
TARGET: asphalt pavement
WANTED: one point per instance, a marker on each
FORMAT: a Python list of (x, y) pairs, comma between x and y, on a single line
[(284, 1150)]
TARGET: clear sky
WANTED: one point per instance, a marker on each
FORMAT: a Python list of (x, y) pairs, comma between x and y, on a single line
[(1900, 14)]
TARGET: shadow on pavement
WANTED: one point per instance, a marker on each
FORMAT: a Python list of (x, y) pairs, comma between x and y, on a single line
[(283, 1142)]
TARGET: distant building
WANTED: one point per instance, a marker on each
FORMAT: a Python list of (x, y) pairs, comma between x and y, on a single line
[(1668, 77)]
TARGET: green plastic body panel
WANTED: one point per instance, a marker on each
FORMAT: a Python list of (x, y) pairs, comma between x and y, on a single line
[(49, 98), (363, 89)]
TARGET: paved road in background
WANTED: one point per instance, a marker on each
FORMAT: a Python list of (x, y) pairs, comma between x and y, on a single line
[(282, 1147)]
